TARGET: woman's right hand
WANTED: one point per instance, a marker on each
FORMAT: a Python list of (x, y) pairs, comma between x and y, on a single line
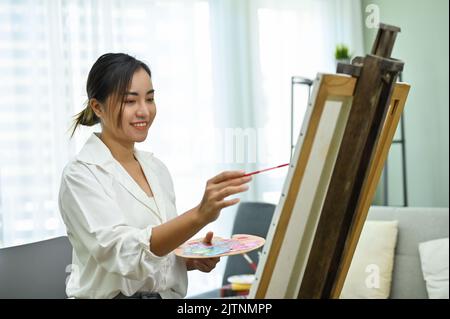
[(217, 188)]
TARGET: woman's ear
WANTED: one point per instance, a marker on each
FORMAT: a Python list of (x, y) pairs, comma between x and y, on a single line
[(97, 108)]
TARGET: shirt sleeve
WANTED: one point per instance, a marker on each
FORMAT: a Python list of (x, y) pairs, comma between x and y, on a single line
[(95, 220)]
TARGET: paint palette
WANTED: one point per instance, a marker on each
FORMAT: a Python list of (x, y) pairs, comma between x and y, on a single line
[(237, 244)]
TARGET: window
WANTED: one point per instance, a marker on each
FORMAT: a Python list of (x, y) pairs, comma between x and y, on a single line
[(216, 66)]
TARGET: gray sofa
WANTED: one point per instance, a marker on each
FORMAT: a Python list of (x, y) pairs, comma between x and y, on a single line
[(416, 225), (35, 271)]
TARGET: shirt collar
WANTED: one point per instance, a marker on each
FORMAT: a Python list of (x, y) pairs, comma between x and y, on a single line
[(96, 152)]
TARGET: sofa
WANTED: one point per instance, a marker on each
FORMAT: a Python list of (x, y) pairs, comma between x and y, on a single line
[(36, 270), (415, 225), (406, 279)]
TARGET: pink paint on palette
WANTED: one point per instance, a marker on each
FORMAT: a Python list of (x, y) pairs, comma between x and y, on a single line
[(238, 244)]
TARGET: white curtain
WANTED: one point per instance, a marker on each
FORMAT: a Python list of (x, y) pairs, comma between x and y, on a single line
[(292, 38), (221, 70)]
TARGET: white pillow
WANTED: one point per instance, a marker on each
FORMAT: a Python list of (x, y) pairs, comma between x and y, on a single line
[(434, 259), (370, 272)]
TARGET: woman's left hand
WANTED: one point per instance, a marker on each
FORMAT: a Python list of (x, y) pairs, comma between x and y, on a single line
[(203, 264)]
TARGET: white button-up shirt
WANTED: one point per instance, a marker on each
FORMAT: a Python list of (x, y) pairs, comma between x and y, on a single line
[(109, 221)]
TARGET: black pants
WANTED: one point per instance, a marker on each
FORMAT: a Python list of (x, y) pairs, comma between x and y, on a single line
[(140, 295)]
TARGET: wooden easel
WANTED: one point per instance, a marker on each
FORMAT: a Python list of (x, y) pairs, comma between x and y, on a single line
[(333, 176)]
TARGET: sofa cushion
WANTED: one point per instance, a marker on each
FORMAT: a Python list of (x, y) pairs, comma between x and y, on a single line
[(416, 225), (370, 273), (434, 258)]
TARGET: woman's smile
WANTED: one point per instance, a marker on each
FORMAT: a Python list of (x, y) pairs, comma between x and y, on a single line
[(141, 126)]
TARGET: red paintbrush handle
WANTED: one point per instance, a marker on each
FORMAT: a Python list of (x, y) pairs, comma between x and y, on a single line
[(267, 169)]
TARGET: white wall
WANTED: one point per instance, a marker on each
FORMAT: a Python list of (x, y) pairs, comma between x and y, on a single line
[(423, 46)]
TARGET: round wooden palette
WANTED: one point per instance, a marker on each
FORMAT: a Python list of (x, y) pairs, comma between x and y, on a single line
[(237, 244)]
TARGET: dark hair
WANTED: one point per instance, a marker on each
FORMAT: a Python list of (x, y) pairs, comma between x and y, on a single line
[(110, 76)]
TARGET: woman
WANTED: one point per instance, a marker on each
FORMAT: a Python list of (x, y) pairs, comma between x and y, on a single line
[(118, 203)]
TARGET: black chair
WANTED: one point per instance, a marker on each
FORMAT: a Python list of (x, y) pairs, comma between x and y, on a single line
[(36, 270), (252, 218)]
